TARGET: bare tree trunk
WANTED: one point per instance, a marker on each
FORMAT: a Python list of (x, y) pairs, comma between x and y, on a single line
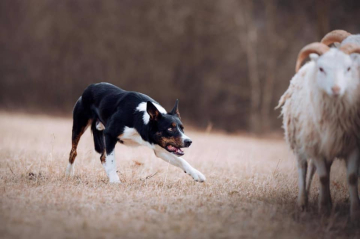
[(249, 41), (268, 88), (323, 17)]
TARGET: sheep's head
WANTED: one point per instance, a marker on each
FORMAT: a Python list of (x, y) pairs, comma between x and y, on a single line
[(333, 73), (341, 38), (335, 70)]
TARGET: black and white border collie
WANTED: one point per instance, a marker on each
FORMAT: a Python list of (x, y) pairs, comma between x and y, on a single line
[(133, 119)]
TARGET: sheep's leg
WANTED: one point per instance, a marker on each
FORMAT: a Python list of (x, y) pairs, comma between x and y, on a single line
[(302, 197), (352, 165), (311, 172), (323, 169)]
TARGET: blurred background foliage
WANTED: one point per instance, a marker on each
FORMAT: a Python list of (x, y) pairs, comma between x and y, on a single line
[(227, 61)]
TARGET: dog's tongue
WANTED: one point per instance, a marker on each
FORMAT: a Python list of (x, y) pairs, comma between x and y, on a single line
[(174, 149), (171, 148)]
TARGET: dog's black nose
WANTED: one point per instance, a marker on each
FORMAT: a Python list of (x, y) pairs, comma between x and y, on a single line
[(187, 142)]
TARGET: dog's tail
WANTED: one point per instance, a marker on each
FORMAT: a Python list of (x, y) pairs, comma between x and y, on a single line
[(98, 138)]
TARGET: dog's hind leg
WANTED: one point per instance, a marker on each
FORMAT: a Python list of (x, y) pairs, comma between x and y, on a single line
[(81, 121)]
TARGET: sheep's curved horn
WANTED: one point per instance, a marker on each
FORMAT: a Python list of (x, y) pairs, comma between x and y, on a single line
[(316, 47), (350, 48), (335, 36)]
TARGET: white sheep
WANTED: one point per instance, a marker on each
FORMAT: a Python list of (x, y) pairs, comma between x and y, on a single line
[(321, 118), (339, 38)]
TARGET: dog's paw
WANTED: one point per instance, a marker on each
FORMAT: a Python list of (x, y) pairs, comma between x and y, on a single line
[(114, 178), (69, 170), (196, 175), (115, 182)]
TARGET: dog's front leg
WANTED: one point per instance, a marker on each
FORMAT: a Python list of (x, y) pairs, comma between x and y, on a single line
[(181, 163), (110, 167), (109, 163)]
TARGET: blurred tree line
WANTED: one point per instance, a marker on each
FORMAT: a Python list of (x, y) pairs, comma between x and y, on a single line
[(227, 61)]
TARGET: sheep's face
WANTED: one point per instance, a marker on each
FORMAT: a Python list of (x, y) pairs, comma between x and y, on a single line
[(334, 72)]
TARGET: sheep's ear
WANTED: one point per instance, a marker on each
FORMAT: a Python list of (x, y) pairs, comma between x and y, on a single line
[(314, 57)]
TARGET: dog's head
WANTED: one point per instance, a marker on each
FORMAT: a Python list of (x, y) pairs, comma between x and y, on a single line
[(166, 130)]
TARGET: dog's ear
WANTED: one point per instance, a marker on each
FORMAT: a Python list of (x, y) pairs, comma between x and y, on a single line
[(175, 110), (153, 111)]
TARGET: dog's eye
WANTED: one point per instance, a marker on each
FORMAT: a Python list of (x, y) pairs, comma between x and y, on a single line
[(349, 68), (170, 129), (321, 69)]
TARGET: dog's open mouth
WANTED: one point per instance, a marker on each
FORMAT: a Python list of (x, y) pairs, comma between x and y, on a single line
[(174, 150)]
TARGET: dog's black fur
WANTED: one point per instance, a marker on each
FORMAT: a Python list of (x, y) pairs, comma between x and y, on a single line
[(116, 108)]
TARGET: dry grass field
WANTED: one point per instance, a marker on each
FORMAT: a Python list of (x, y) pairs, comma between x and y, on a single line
[(250, 191)]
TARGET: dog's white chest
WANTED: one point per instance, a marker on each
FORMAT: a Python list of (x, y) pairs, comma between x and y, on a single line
[(130, 137)]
